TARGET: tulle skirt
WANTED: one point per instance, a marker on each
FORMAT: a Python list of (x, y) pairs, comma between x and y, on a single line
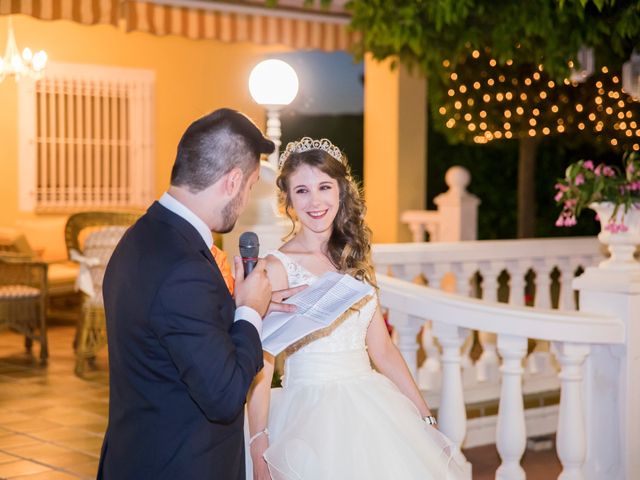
[(338, 419)]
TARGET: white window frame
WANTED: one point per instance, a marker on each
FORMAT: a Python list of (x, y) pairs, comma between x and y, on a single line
[(138, 87)]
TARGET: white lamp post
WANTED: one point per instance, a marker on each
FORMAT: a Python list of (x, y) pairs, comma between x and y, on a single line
[(273, 84)]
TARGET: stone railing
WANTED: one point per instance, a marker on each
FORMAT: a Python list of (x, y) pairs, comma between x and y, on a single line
[(452, 316), (456, 217), (536, 272)]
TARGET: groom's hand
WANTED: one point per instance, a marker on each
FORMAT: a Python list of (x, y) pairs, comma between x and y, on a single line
[(280, 296), (255, 290)]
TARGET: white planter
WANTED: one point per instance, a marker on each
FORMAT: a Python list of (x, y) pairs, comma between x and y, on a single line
[(622, 244)]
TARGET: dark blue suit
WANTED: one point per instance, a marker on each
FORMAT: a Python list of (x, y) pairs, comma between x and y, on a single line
[(180, 368)]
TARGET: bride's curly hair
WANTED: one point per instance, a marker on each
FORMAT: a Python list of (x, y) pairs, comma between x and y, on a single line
[(349, 246)]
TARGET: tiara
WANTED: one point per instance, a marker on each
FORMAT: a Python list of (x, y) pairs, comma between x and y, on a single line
[(305, 144)]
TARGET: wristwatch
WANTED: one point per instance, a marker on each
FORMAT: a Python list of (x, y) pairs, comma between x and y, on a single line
[(430, 420)]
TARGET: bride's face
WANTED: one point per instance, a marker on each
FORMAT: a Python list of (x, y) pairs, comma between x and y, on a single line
[(315, 197)]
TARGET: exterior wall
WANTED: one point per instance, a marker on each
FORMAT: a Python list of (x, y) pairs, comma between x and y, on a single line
[(192, 78), (395, 115)]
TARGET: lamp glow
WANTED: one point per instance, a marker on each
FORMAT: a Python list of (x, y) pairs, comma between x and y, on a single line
[(273, 82)]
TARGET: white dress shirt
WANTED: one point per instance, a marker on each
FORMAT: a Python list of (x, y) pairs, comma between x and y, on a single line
[(170, 203)]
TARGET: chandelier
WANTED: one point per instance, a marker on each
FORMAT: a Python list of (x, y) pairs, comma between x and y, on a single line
[(25, 65)]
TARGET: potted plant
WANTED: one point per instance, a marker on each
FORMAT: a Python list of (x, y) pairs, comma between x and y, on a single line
[(614, 194)]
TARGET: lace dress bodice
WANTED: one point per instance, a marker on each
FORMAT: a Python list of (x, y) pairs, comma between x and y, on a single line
[(348, 335)]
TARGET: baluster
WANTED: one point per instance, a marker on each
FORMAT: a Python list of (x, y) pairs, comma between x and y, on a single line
[(540, 359), (567, 300), (429, 372), (417, 231), (462, 273), (407, 327), (452, 414), (543, 284), (511, 433), (570, 438), (487, 364), (516, 282)]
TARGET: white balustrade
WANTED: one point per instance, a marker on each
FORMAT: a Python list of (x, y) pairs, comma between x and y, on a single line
[(573, 333), (453, 266)]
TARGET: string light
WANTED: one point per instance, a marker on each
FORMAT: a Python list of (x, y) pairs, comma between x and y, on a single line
[(532, 108)]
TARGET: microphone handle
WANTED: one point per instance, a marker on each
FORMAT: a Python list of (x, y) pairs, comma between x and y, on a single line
[(249, 264)]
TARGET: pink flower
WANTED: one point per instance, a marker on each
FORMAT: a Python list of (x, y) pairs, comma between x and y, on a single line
[(631, 168), (588, 165), (558, 196), (579, 179), (570, 203), (608, 171), (560, 221), (570, 221), (561, 187)]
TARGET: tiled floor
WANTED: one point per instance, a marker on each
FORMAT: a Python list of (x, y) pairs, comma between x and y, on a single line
[(51, 422)]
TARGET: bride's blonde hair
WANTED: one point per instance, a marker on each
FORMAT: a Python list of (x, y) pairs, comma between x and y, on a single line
[(349, 246)]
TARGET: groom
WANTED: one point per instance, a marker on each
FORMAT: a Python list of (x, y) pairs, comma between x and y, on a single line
[(182, 353)]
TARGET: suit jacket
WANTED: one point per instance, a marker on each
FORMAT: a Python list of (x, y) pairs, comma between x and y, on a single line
[(180, 368)]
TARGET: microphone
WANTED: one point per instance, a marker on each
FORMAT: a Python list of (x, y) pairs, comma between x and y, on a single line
[(249, 248)]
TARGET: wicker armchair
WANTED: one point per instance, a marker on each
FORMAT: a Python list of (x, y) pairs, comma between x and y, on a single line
[(91, 238), (23, 294)]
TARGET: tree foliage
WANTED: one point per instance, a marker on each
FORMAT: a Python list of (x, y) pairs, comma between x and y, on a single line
[(424, 33)]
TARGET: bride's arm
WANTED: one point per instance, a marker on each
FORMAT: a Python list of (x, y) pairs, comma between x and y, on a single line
[(259, 395), (389, 361), (258, 414)]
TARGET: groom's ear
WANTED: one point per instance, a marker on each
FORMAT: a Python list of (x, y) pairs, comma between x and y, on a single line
[(232, 181)]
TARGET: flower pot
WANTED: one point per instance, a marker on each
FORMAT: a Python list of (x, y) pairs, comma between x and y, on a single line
[(621, 234)]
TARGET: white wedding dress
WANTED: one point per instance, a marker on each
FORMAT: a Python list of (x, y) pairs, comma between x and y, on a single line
[(337, 419)]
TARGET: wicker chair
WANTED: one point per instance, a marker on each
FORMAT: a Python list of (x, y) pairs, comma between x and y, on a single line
[(23, 295), (91, 238)]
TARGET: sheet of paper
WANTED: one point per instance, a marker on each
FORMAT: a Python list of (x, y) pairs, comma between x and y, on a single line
[(318, 307)]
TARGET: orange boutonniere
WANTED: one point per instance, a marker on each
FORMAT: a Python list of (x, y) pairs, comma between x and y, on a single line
[(221, 260)]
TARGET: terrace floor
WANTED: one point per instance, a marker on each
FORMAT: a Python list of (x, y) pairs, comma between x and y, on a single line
[(52, 422)]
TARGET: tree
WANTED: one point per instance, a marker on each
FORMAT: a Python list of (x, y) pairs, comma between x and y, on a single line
[(487, 102), (460, 39)]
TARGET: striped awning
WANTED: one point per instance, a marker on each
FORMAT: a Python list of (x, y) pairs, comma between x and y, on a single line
[(241, 23), (88, 12), (199, 19)]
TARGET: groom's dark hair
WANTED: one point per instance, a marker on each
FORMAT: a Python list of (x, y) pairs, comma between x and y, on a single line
[(215, 144)]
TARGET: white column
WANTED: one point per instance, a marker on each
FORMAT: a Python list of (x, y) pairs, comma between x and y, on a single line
[(612, 390), (570, 438), (511, 433), (452, 414), (457, 208)]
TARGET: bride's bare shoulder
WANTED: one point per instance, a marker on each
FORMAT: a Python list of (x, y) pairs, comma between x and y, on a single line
[(277, 272)]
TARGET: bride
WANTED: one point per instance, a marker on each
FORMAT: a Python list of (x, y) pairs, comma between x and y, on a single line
[(337, 418)]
